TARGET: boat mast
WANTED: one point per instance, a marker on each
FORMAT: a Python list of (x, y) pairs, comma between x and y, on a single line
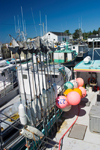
[(34, 21), (15, 23), (40, 24), (22, 18), (46, 22)]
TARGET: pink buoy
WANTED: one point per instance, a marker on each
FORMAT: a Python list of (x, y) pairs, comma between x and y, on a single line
[(83, 91), (80, 81), (73, 98), (61, 101)]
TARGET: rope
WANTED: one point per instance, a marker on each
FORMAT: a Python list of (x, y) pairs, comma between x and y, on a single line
[(69, 127), (33, 137)]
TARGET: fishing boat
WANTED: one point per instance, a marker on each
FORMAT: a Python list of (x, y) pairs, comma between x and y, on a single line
[(1, 58), (13, 47), (34, 109), (8, 82), (64, 55), (12, 139), (38, 115), (80, 126), (81, 49)]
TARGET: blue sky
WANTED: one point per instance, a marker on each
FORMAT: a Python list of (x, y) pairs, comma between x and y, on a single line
[(61, 15)]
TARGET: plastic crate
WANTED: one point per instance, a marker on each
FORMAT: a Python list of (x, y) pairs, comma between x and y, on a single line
[(98, 100), (94, 119)]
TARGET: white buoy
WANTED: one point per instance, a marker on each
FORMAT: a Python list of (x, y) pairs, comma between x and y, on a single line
[(87, 59), (48, 100), (67, 108), (49, 94), (29, 135), (55, 88), (33, 111), (38, 107), (53, 93), (31, 114), (52, 96), (44, 99), (22, 114), (35, 131), (28, 115)]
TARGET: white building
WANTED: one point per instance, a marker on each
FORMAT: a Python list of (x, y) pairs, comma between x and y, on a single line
[(0, 48), (55, 37), (96, 39), (71, 37)]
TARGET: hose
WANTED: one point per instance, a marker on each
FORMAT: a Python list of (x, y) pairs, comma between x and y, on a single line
[(69, 127)]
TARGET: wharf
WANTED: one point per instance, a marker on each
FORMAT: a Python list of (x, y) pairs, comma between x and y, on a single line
[(79, 136)]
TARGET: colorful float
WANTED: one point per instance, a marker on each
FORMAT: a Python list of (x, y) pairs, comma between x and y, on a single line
[(72, 94)]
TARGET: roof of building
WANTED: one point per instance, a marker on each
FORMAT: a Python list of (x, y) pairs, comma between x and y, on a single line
[(94, 36), (59, 33), (64, 51)]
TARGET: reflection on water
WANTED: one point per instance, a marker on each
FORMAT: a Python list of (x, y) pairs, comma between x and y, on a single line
[(96, 53)]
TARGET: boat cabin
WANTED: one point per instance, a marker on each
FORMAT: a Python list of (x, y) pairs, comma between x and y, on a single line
[(64, 56), (90, 72), (8, 79), (61, 75)]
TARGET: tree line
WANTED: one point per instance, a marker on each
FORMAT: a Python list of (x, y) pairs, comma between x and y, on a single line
[(78, 33)]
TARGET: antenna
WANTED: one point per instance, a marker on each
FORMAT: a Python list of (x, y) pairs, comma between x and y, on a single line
[(34, 21), (22, 18), (43, 28), (25, 28), (46, 22), (15, 23), (40, 24), (81, 23), (18, 24)]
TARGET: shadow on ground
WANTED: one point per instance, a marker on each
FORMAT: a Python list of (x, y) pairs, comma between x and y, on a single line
[(66, 115)]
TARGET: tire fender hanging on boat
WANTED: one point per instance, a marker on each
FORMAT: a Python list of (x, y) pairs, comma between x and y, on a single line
[(92, 80), (35, 131), (29, 135)]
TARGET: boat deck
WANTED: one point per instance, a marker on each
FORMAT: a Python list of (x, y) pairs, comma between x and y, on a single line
[(79, 136), (93, 66)]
